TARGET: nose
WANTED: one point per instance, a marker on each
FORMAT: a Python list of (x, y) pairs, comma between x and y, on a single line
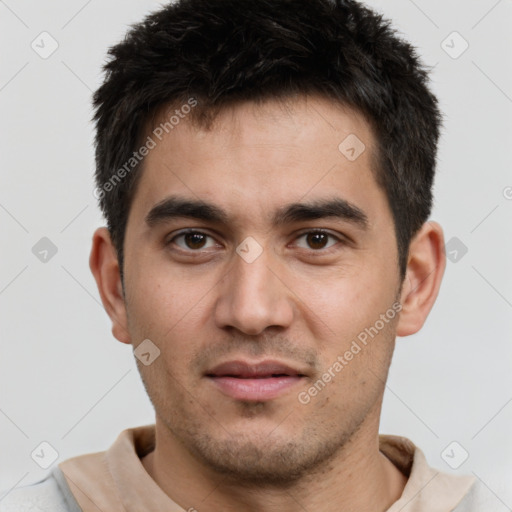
[(253, 296)]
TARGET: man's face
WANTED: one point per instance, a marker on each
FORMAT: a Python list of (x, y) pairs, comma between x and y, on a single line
[(257, 285)]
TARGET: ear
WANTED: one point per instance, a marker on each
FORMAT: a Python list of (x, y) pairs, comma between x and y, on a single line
[(425, 268), (105, 268)]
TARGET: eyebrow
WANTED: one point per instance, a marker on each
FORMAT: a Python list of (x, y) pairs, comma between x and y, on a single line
[(180, 207)]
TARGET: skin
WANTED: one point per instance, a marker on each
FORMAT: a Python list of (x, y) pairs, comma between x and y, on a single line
[(298, 302)]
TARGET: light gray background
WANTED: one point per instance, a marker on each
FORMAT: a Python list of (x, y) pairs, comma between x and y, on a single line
[(65, 380)]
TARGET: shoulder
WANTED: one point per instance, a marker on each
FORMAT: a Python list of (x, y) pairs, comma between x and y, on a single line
[(48, 495), (479, 497)]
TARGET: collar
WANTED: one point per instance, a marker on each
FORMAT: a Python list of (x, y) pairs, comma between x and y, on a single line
[(116, 480)]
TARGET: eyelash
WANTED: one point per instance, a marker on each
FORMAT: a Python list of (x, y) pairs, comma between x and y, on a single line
[(305, 233)]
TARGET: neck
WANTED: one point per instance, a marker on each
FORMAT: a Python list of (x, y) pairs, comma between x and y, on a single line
[(359, 477)]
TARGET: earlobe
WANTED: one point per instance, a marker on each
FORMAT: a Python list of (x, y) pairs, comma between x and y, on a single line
[(105, 268), (425, 268)]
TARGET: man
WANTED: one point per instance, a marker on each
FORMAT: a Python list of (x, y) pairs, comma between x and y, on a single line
[(265, 169)]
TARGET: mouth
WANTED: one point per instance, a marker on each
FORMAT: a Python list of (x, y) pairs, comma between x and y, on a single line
[(254, 381)]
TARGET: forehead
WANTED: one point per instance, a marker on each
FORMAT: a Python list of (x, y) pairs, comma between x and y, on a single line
[(254, 157)]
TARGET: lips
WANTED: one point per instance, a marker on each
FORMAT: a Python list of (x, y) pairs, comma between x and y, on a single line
[(243, 370), (260, 381)]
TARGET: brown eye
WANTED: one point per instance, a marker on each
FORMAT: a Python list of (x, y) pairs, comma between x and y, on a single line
[(318, 240), (192, 241)]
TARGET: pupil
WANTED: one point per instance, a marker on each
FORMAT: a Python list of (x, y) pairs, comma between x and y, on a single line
[(317, 240), (194, 240)]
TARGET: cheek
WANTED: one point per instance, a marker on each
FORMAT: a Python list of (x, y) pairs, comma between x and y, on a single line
[(343, 303), (160, 301), (353, 375), (172, 314), (354, 342)]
